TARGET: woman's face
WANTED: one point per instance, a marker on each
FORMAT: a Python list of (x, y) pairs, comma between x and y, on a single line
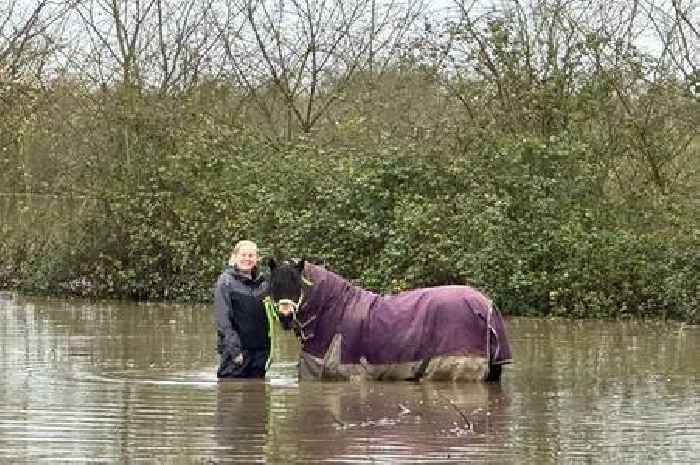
[(246, 258)]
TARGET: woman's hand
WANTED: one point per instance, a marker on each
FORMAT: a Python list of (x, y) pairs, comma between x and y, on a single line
[(285, 308)]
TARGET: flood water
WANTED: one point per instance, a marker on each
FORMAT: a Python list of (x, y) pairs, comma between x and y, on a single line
[(129, 383)]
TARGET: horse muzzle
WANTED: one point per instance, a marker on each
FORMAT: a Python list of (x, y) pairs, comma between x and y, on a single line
[(287, 321)]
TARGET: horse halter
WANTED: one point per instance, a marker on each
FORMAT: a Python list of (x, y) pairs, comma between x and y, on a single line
[(295, 305), (295, 312)]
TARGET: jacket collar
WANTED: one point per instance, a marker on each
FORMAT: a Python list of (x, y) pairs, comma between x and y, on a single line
[(255, 275)]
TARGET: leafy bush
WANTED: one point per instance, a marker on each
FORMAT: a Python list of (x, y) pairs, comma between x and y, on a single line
[(166, 187)]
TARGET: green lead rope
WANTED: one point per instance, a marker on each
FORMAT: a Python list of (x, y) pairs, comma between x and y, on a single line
[(272, 317)]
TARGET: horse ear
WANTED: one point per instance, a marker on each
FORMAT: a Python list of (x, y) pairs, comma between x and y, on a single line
[(300, 265), (271, 263)]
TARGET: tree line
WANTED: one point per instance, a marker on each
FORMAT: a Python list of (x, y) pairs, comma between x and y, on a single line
[(544, 150)]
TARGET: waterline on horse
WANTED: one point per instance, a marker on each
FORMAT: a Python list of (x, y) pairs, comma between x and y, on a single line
[(348, 333)]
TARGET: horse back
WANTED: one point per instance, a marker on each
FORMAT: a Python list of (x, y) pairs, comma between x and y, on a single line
[(429, 322)]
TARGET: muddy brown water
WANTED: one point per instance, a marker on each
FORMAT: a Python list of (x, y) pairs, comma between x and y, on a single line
[(134, 383)]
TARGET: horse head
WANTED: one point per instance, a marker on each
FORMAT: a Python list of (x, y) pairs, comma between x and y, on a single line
[(286, 288)]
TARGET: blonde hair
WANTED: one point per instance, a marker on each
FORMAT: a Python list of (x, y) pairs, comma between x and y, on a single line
[(237, 248)]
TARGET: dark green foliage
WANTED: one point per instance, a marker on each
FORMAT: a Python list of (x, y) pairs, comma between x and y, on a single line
[(145, 196)]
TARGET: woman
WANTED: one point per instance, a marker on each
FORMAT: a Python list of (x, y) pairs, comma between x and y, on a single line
[(243, 338)]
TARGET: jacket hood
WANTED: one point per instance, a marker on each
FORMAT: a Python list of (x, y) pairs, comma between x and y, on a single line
[(255, 275)]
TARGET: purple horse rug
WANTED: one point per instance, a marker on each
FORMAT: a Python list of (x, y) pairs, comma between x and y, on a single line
[(438, 333)]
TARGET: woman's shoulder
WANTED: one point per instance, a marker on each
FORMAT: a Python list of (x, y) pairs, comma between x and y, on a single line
[(225, 278)]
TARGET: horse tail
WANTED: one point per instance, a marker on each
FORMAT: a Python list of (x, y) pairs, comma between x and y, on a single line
[(492, 341)]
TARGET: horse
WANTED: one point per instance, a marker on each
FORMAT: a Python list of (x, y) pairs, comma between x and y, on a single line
[(349, 333)]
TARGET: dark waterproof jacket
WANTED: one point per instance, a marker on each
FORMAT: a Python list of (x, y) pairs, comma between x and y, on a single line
[(241, 321)]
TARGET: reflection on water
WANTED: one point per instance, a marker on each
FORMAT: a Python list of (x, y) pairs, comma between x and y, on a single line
[(120, 383)]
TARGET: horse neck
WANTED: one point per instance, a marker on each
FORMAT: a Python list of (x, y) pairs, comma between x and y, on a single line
[(328, 290)]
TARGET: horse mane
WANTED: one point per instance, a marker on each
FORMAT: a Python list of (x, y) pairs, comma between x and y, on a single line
[(285, 278)]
